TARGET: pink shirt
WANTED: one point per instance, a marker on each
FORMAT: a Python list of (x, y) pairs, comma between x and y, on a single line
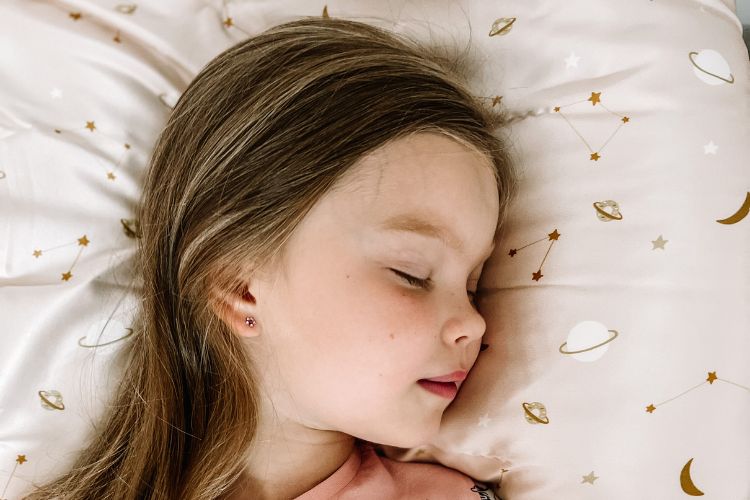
[(367, 476)]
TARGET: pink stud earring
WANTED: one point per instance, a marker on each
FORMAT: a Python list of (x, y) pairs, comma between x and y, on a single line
[(250, 321)]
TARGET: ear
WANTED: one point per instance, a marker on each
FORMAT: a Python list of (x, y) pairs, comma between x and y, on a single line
[(233, 308)]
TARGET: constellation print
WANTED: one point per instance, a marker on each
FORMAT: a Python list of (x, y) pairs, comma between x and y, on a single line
[(20, 459), (553, 237), (82, 242), (595, 99), (91, 125), (710, 379)]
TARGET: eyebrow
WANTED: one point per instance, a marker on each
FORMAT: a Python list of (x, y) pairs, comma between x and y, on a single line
[(419, 225)]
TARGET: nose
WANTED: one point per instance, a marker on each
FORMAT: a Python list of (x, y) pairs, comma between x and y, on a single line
[(466, 325)]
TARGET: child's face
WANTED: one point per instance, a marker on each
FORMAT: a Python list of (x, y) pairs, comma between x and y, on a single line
[(348, 338)]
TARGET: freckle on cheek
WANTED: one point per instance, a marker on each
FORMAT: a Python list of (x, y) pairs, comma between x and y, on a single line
[(392, 336)]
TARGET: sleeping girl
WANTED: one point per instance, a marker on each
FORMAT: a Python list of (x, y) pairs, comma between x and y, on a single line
[(315, 218)]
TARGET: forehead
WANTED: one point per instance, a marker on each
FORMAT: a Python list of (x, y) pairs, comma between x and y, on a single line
[(427, 184), (421, 223)]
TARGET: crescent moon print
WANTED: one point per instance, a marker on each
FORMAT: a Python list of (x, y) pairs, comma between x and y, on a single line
[(687, 482), (739, 214)]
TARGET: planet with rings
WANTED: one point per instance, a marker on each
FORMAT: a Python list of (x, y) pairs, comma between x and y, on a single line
[(710, 67), (588, 341)]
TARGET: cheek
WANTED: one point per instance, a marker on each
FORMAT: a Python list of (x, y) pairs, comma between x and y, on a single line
[(399, 312), (357, 309)]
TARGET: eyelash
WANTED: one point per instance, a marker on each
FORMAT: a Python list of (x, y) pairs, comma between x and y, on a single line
[(426, 283)]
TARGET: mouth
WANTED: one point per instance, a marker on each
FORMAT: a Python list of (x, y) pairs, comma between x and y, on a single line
[(446, 390), (457, 376)]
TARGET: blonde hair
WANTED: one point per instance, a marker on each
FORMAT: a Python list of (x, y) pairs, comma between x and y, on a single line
[(259, 136)]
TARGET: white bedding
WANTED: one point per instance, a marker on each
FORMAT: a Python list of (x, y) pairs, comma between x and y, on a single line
[(639, 225)]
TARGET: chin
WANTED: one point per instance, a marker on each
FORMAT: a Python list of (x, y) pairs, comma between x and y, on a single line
[(420, 435)]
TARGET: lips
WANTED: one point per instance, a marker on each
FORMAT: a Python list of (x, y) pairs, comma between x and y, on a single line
[(445, 389), (456, 376)]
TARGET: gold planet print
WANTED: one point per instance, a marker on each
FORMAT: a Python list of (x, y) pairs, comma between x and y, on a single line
[(605, 216), (502, 26), (588, 341), (48, 404), (534, 418), (131, 228), (126, 8)]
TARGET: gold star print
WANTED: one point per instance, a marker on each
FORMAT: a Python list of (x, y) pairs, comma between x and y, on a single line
[(325, 12), (595, 99), (710, 379), (77, 15), (227, 20), (553, 236), (496, 100), (91, 125), (589, 478), (659, 243), (81, 242), (20, 459)]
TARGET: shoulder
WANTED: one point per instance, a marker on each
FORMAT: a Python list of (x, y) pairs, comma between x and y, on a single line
[(421, 480)]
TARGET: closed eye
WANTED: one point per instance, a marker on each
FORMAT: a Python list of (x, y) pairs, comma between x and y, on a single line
[(421, 283), (426, 284)]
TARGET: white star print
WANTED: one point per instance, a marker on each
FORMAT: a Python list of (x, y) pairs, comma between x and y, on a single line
[(572, 60), (710, 148), (484, 420), (56, 93)]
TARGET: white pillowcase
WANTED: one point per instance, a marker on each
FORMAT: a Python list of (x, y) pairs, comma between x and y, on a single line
[(665, 282)]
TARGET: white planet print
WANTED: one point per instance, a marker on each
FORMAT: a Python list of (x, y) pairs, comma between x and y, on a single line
[(587, 341), (711, 67)]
